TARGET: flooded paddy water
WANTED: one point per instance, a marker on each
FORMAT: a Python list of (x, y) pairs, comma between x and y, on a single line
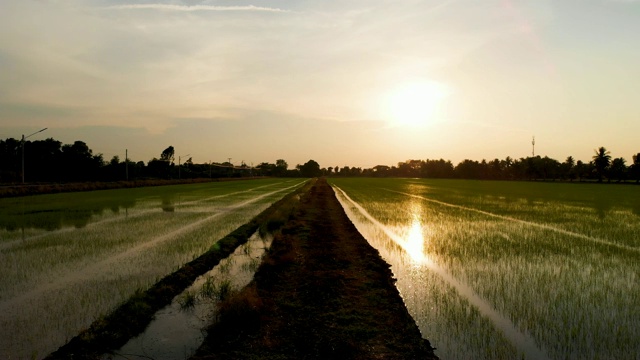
[(502, 270), (67, 259), (179, 329)]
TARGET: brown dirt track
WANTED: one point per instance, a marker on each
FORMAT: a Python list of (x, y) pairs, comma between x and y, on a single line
[(322, 292)]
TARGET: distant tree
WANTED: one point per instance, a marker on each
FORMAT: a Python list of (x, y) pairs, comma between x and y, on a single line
[(635, 167), (582, 170), (601, 160), (281, 168), (158, 168), (618, 169), (266, 169), (282, 164), (168, 155), (79, 163), (566, 168), (436, 169), (410, 168), (549, 168), (507, 168), (310, 169), (515, 169), (381, 170), (45, 159), (495, 169), (467, 169)]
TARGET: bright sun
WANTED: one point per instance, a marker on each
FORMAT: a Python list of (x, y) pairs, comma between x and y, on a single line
[(414, 104)]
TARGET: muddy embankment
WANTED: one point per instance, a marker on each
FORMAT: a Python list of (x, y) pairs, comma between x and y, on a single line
[(321, 292)]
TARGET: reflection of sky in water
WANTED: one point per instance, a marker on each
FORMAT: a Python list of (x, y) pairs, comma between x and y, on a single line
[(175, 332), (414, 247), (504, 277), (59, 281)]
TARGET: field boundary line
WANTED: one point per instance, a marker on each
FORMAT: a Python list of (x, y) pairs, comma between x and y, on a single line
[(10, 244), (90, 271), (522, 341), (525, 222)]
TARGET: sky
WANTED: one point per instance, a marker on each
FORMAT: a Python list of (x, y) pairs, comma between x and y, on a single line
[(350, 82)]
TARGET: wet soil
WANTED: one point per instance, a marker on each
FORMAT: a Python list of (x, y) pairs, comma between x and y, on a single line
[(322, 292)]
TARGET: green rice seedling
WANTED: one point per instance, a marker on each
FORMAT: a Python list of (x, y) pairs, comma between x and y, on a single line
[(224, 290), (557, 263), (187, 300), (246, 248), (208, 290), (251, 266), (216, 291), (59, 251), (225, 266)]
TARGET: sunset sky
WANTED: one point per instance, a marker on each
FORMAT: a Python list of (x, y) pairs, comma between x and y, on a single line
[(350, 82)]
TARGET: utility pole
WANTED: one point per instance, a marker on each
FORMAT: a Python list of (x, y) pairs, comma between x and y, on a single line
[(533, 147), (179, 158), (209, 169), (126, 163), (23, 139)]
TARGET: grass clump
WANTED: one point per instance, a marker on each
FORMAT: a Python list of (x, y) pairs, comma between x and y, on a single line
[(216, 291), (187, 301)]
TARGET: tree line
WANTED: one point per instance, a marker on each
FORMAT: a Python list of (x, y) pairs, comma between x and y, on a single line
[(51, 161), (601, 167)]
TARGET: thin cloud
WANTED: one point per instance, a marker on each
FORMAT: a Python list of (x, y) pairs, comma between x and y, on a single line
[(169, 7)]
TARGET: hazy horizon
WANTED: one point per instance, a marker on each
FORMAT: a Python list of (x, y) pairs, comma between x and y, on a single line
[(357, 83)]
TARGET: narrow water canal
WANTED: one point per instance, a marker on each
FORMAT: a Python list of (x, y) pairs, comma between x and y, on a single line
[(179, 329)]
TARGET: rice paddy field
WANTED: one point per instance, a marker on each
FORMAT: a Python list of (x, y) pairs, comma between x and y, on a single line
[(69, 259), (509, 270)]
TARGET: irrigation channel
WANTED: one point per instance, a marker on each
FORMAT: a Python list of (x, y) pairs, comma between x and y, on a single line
[(500, 270), (69, 259), (178, 330)]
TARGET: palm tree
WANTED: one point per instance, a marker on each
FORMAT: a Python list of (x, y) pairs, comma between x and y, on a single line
[(618, 169), (568, 167), (601, 160)]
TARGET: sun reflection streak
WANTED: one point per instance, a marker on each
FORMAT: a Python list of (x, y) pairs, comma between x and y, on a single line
[(414, 241), (522, 340)]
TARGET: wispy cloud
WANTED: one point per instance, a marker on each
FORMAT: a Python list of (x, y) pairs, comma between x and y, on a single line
[(168, 7)]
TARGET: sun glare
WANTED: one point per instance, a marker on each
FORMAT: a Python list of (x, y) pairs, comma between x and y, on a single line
[(414, 242), (415, 104)]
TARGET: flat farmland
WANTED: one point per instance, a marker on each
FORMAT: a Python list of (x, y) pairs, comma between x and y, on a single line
[(68, 259), (504, 270)]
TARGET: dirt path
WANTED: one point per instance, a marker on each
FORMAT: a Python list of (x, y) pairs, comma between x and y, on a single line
[(322, 292)]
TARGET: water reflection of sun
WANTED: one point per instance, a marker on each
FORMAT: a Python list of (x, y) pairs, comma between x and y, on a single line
[(414, 242), (414, 238)]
